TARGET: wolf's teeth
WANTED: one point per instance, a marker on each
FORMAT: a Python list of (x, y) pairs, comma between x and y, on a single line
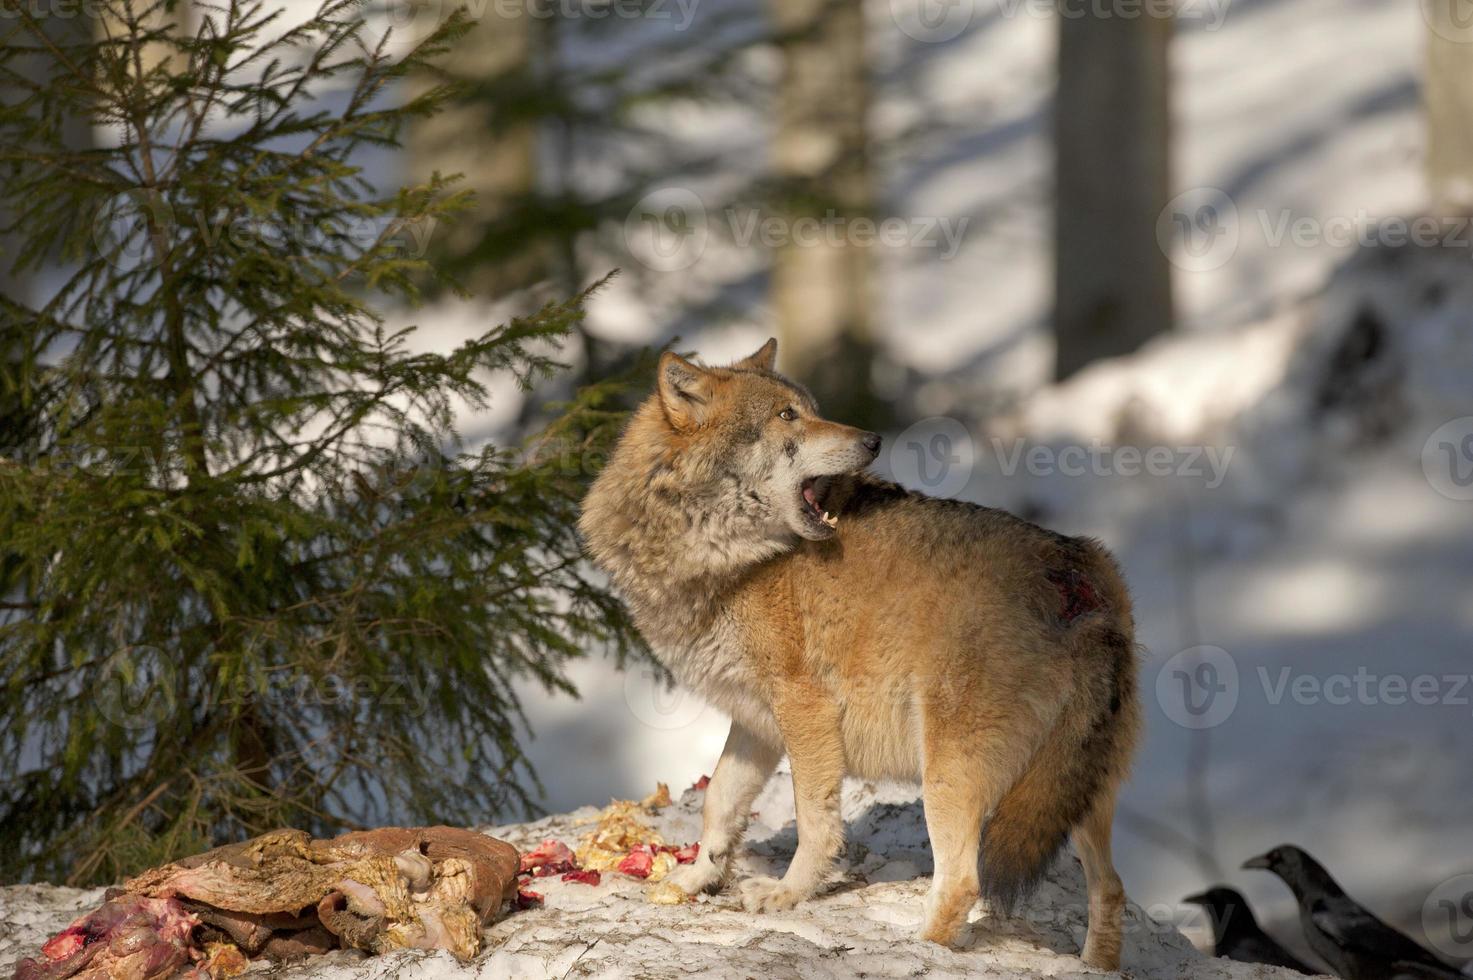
[(830, 521)]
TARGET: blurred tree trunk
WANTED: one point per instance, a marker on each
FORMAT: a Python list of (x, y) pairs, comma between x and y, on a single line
[(1112, 279), (1448, 92), (821, 289), (490, 138)]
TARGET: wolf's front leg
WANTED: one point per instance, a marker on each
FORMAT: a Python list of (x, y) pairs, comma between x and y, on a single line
[(810, 728), (745, 764)]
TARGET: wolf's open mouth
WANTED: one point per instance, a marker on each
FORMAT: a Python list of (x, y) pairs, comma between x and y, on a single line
[(813, 502)]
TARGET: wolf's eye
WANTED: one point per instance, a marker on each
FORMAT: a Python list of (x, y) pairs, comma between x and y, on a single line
[(788, 415)]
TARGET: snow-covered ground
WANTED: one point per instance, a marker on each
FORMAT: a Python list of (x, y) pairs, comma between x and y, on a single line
[(864, 927)]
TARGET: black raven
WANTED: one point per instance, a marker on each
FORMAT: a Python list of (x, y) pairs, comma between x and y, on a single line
[(1236, 933), (1356, 944)]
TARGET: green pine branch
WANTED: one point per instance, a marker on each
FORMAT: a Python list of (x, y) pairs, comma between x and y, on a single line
[(248, 574)]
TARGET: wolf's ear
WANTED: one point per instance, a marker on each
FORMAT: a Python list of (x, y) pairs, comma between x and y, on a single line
[(685, 389), (764, 360)]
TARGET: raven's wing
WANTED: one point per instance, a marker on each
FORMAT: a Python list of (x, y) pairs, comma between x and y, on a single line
[(1402, 970), (1357, 931)]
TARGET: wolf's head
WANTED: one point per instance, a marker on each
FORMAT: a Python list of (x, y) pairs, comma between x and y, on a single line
[(730, 459)]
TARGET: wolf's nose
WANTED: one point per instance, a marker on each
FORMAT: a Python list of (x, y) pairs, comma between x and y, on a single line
[(871, 441)]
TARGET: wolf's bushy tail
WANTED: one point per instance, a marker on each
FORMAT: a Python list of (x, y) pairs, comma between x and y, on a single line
[(1087, 752)]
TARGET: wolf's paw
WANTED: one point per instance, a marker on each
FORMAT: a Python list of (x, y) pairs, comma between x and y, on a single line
[(948, 935), (700, 876), (765, 894)]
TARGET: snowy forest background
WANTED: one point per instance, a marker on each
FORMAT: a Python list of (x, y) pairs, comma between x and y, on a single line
[(1146, 278)]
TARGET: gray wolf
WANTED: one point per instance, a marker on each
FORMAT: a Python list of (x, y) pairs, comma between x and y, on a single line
[(867, 630)]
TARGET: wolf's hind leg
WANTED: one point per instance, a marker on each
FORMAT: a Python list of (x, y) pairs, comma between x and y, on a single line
[(1106, 895), (746, 763), (965, 772), (955, 805)]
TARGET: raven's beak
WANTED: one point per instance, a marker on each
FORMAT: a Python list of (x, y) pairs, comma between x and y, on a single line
[(1199, 899), (1259, 862)]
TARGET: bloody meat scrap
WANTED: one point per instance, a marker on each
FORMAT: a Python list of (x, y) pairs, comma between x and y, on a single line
[(130, 936), (283, 895), (549, 858)]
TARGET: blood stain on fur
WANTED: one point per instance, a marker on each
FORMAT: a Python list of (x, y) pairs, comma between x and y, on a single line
[(1077, 595)]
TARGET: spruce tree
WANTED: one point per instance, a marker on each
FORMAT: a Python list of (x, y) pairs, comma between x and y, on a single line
[(249, 575)]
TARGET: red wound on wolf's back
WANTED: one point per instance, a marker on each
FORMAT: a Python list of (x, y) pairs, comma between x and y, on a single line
[(1077, 594)]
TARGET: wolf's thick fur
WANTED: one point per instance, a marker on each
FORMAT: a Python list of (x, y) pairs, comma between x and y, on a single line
[(919, 638)]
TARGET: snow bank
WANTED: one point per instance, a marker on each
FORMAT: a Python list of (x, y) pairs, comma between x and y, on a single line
[(865, 925)]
